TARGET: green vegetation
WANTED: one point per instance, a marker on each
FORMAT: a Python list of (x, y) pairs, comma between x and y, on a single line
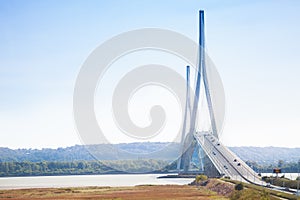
[(250, 194), (200, 178), (281, 181), (235, 190), (286, 167), (78, 167), (264, 193), (239, 186)]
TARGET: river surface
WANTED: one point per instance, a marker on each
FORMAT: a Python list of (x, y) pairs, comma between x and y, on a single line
[(291, 176), (115, 180)]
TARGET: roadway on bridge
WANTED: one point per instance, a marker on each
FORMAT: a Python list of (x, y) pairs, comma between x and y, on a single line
[(226, 162)]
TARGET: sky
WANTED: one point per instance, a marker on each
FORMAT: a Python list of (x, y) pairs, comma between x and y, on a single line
[(254, 45)]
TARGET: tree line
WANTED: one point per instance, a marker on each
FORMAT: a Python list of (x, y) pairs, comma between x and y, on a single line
[(286, 167), (49, 168)]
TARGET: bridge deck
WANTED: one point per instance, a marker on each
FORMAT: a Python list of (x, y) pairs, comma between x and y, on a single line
[(226, 162)]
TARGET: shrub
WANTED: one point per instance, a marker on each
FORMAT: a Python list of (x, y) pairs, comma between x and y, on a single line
[(201, 177), (239, 186)]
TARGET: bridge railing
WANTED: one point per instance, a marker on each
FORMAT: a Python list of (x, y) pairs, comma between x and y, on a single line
[(238, 168)]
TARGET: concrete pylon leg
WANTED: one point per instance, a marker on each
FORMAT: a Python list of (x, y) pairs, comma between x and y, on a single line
[(209, 169), (187, 156)]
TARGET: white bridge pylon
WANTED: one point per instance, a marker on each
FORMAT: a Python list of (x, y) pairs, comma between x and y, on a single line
[(214, 158), (188, 141)]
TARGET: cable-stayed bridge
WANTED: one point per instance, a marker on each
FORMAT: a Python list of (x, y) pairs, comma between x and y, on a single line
[(225, 161), (215, 159)]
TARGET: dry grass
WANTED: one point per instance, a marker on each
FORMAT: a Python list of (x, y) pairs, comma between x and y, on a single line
[(220, 187), (133, 193)]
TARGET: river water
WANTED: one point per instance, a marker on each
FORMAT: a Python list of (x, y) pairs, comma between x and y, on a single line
[(115, 180), (291, 176)]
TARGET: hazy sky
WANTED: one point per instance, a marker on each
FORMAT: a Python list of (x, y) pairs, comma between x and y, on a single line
[(254, 44)]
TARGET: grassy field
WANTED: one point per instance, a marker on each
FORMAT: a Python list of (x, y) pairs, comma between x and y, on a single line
[(132, 193), (271, 193)]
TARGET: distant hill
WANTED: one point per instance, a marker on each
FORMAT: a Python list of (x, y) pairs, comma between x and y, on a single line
[(146, 150), (267, 155), (261, 155)]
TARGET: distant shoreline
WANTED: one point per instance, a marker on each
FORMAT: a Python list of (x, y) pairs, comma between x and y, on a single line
[(112, 173)]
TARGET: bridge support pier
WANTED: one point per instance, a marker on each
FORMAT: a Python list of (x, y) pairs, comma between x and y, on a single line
[(209, 168)]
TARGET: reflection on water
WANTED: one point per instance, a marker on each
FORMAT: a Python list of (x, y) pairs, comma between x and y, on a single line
[(89, 180)]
